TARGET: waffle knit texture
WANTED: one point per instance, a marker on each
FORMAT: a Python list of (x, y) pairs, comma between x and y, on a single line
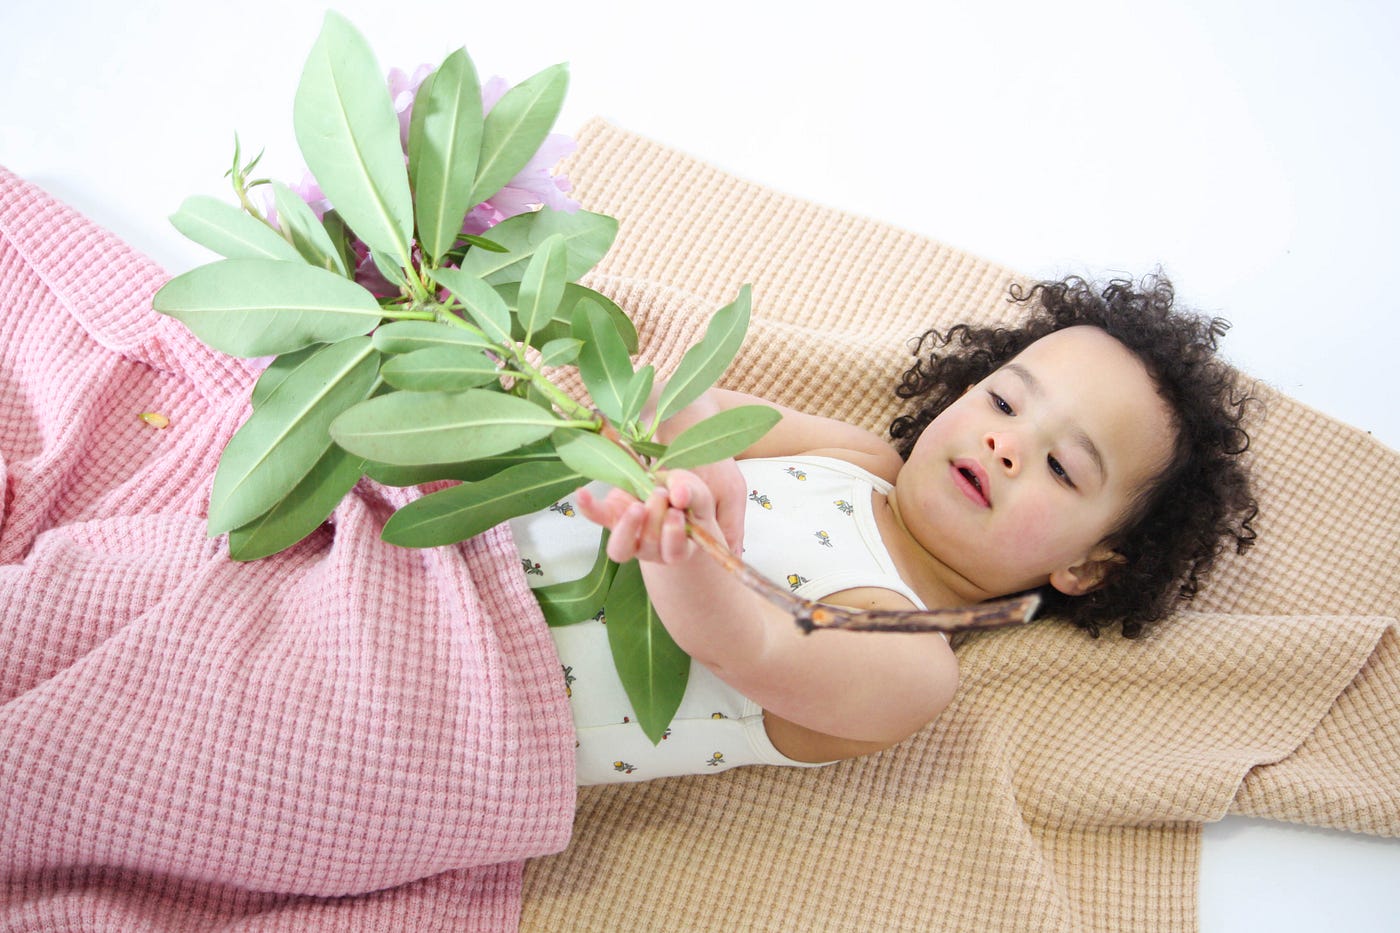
[(346, 736), (1065, 788)]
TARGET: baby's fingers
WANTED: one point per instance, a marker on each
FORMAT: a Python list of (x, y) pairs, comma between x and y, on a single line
[(626, 532), (654, 530), (676, 545), (606, 511), (638, 529), (688, 491)]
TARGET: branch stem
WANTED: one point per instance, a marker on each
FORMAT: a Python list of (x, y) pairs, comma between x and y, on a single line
[(813, 616)]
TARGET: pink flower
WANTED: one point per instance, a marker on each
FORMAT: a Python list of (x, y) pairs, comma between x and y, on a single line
[(492, 91), (367, 274), (307, 189), (310, 192), (534, 186), (403, 88)]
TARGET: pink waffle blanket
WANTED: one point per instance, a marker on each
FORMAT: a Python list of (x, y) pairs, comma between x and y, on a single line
[(347, 735)]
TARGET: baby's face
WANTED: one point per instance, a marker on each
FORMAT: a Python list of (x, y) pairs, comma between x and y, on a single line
[(1021, 479)]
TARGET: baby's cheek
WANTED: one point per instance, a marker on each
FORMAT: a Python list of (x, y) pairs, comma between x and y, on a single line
[(1039, 534)]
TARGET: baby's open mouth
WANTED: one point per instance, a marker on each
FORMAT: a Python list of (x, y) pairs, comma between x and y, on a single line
[(970, 478)]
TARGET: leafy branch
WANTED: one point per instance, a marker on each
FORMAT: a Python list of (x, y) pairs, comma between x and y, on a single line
[(407, 349)]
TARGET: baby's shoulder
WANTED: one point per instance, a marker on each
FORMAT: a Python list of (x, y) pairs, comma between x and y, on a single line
[(882, 460)]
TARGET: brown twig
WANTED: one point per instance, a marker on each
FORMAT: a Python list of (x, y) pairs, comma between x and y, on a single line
[(811, 616)]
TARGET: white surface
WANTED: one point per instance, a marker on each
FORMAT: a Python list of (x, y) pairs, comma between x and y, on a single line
[(1250, 149)]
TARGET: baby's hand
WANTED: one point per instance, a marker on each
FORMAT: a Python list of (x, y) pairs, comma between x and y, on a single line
[(654, 530), (731, 493)]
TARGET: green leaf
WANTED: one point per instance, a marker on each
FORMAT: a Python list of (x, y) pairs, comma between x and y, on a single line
[(262, 307), (229, 231), (414, 428), (705, 362), (461, 512), (561, 323), (534, 394), (349, 135), (470, 471), (440, 369), (483, 303), (542, 286), (638, 391), (407, 336), (587, 235), (623, 324), (389, 268), (444, 143), (283, 439), (649, 448), (340, 238), (301, 511), (652, 667), (723, 435), (279, 369), (516, 127), (599, 458), (308, 236), (578, 600), (416, 140), (603, 363), (560, 352), (484, 243)]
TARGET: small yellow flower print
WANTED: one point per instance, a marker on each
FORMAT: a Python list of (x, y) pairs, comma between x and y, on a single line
[(760, 499), (716, 759), (569, 679), (795, 580), (845, 507), (795, 473), (564, 508), (531, 567), (823, 539), (623, 767)]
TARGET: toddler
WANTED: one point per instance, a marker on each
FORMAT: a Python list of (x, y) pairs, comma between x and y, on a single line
[(1091, 453)]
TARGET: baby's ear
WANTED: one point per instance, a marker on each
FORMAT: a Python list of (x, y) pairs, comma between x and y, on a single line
[(1088, 575)]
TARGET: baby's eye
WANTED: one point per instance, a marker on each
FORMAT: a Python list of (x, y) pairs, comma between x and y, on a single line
[(1058, 469), (1002, 405)]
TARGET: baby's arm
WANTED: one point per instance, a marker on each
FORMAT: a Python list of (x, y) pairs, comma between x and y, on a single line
[(797, 433), (802, 433), (850, 685)]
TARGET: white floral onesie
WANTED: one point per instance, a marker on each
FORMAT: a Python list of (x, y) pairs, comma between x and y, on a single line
[(809, 526)]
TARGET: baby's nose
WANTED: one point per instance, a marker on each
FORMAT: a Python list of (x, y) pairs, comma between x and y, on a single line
[(1003, 447)]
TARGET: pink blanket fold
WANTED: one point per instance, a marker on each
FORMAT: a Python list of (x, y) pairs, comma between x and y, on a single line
[(191, 743)]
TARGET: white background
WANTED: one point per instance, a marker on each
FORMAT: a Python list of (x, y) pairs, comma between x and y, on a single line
[(1249, 149)]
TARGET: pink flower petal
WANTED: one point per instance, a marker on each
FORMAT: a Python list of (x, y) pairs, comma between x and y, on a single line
[(492, 91), (309, 191), (261, 196), (511, 200), (552, 151), (403, 89), (481, 218)]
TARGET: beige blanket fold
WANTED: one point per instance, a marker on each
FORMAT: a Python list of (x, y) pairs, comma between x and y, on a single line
[(1066, 787)]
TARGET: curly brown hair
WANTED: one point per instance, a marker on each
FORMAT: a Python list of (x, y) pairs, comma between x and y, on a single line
[(1198, 504)]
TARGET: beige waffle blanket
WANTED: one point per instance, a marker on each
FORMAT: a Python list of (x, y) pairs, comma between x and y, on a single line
[(1066, 788)]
